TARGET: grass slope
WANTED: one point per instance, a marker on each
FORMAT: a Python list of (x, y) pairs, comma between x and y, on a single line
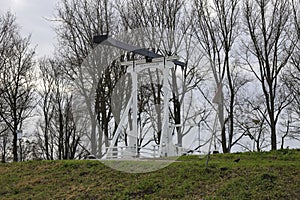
[(267, 175)]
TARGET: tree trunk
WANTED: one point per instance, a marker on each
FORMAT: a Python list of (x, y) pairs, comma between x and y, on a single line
[(3, 160), (15, 143), (100, 141), (222, 125), (273, 136), (93, 135)]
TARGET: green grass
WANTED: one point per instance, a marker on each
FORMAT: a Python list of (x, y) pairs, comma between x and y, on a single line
[(266, 175)]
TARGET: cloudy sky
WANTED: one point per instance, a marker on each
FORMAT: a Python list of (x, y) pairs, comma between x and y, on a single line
[(32, 16)]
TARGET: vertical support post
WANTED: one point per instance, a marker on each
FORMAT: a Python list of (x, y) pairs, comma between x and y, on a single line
[(165, 136), (211, 139), (135, 106), (117, 133)]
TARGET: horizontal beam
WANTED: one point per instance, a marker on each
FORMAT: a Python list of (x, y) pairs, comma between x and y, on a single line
[(154, 60), (107, 40), (149, 55)]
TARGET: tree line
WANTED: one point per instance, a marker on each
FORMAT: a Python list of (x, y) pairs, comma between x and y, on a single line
[(249, 50)]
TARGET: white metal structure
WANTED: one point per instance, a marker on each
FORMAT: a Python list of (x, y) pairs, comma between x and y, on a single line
[(152, 60), (166, 146)]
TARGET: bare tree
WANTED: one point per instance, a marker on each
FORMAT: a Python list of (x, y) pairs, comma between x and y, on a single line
[(270, 45), (4, 141), (296, 9), (62, 127), (289, 123), (251, 122), (216, 28), (47, 75), (7, 27), (291, 79), (107, 107), (78, 21), (16, 90)]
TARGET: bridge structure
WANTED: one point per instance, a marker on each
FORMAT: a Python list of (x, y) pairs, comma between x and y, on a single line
[(151, 60)]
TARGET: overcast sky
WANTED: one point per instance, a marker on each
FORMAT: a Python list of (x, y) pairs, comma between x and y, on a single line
[(31, 17)]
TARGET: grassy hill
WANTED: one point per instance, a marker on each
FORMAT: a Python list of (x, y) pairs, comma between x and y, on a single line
[(266, 175)]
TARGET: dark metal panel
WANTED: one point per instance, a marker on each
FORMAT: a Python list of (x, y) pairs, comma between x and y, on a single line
[(106, 40), (177, 62), (99, 38), (147, 53)]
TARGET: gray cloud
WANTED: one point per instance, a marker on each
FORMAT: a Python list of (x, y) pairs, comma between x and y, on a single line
[(32, 17)]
